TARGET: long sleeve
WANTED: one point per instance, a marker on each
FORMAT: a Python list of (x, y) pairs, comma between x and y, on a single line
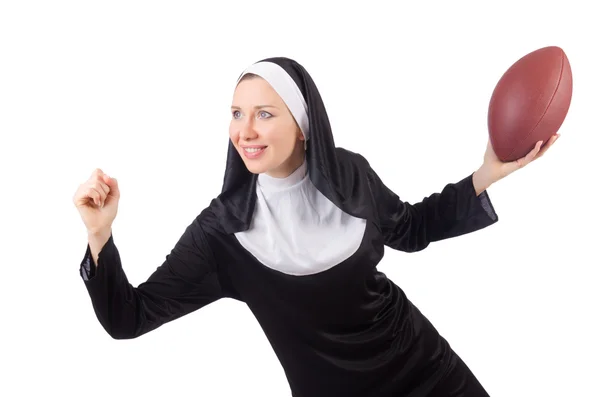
[(455, 211), (186, 281)]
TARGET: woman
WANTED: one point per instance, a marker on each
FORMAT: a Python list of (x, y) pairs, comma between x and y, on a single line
[(297, 233)]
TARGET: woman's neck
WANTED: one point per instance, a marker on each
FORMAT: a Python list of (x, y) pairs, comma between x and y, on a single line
[(296, 176)]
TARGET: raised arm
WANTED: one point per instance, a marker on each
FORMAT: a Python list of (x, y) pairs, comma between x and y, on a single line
[(455, 211), (186, 281)]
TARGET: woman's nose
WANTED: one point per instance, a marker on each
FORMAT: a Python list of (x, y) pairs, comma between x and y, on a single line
[(247, 131)]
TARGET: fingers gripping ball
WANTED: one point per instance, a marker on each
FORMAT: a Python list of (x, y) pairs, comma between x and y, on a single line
[(530, 102)]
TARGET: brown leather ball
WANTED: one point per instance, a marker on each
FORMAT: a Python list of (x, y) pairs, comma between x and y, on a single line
[(530, 102)]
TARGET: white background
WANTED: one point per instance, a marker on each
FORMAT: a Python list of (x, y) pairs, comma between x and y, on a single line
[(142, 90)]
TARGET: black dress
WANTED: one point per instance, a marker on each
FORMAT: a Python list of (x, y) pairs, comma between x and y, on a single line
[(347, 331)]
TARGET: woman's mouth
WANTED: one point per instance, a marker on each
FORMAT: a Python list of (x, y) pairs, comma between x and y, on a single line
[(253, 152)]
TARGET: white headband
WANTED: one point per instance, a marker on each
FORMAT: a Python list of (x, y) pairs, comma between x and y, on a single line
[(287, 89)]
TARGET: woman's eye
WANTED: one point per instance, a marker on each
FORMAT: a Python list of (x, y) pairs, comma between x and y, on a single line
[(265, 115), (236, 114)]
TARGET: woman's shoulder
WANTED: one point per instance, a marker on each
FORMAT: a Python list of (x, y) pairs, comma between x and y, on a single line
[(208, 221), (346, 155), (355, 163)]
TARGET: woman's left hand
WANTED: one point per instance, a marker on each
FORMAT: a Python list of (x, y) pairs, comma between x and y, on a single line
[(494, 169)]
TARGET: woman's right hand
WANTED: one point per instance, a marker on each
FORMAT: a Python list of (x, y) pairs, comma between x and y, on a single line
[(97, 201)]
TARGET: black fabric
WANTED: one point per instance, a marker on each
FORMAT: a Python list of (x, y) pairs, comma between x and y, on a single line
[(348, 331), (186, 281), (454, 211)]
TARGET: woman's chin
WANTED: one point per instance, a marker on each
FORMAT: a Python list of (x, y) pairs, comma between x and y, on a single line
[(255, 167)]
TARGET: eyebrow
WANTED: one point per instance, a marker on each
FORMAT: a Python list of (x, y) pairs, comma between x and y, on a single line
[(257, 107)]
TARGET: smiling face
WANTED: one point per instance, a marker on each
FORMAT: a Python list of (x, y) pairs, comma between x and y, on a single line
[(263, 130)]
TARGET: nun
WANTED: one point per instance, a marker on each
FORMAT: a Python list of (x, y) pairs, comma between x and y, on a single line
[(296, 234)]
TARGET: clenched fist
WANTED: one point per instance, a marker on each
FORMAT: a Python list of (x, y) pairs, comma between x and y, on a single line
[(97, 201)]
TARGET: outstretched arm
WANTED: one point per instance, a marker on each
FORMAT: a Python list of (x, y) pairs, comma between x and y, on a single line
[(460, 208), (455, 211), (186, 281)]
